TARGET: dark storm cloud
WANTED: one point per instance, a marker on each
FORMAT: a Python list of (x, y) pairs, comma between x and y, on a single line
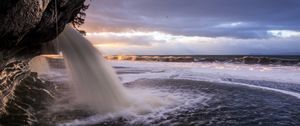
[(212, 18)]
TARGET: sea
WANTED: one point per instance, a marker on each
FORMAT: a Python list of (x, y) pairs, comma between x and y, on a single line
[(190, 90)]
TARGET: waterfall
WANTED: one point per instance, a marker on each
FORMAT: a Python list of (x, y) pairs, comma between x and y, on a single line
[(96, 84)]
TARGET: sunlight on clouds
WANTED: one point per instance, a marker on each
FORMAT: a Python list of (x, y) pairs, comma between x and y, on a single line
[(161, 43), (137, 42), (154, 37), (231, 25), (107, 45), (160, 35), (284, 33)]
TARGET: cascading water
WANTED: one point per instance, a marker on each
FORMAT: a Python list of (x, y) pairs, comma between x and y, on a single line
[(94, 81)]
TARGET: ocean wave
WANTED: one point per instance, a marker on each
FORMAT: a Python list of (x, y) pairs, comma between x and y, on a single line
[(264, 60)]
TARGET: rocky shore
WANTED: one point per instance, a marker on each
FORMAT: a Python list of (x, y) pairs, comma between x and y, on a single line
[(26, 26)]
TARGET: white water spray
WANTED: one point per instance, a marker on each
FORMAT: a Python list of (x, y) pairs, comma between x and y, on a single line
[(94, 81)]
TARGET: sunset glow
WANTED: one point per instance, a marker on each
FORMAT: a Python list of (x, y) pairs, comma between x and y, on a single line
[(194, 27)]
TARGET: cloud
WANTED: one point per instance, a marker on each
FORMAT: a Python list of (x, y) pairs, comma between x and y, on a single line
[(152, 27), (128, 38), (159, 43), (284, 33), (210, 18)]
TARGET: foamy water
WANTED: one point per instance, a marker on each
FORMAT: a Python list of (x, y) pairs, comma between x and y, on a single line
[(163, 104), (216, 72), (285, 74), (95, 85), (149, 106)]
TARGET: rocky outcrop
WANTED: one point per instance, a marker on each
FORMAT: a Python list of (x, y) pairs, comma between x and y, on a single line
[(25, 26), (31, 22), (23, 95)]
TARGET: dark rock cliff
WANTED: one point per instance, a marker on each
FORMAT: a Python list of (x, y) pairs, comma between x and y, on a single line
[(25, 25)]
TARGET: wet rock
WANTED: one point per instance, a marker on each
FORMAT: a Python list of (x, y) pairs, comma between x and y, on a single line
[(23, 95), (31, 22), (26, 25)]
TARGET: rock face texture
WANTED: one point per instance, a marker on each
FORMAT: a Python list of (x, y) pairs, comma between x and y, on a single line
[(28, 23), (23, 95), (25, 25)]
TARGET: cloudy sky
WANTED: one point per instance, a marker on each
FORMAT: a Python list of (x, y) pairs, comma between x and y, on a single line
[(179, 27)]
